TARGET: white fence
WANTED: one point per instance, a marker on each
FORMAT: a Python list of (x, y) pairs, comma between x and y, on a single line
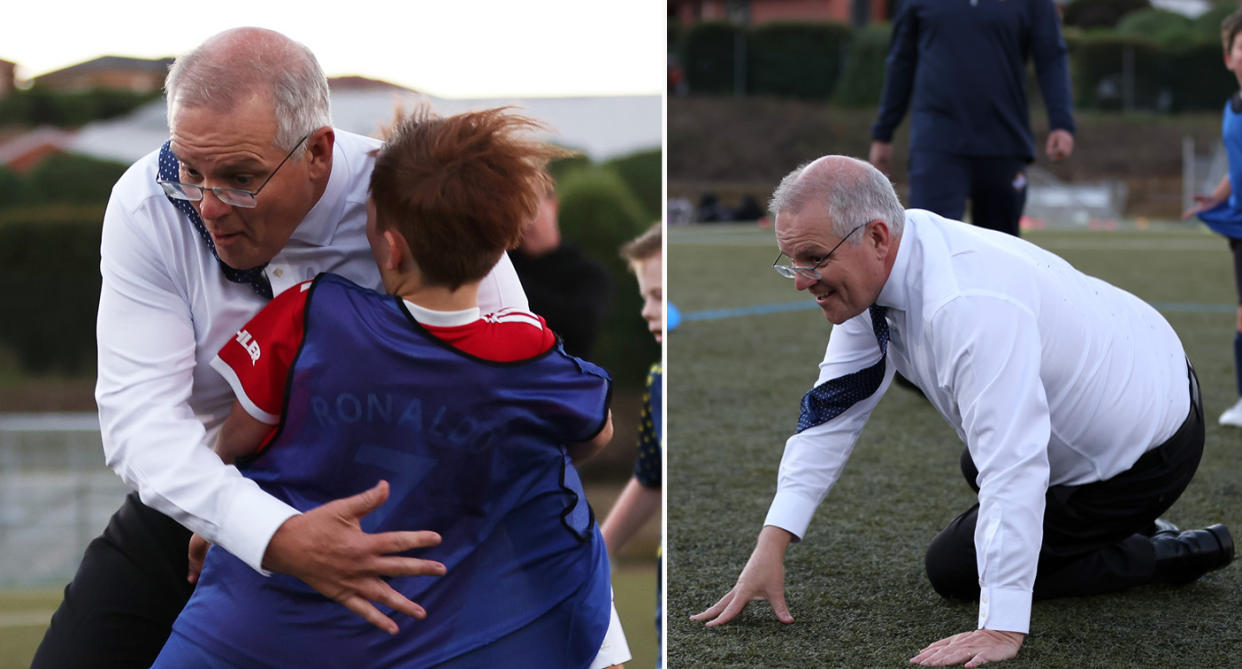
[(55, 495)]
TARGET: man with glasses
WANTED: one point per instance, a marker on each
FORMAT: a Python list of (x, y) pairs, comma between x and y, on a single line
[(1081, 416), (255, 192)]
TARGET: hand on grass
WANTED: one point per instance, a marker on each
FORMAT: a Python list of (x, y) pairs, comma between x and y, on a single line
[(971, 648), (327, 549), (198, 553), (763, 577)]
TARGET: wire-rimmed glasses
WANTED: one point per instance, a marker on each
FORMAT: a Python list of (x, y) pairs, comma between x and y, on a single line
[(236, 197), (794, 271)]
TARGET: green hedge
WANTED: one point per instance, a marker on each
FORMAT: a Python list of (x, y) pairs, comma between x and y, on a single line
[(1207, 24), (61, 178), (1098, 67), (1088, 14), (797, 60), (1158, 25), (643, 173), (1197, 77), (562, 166), (1186, 77), (707, 57), (1175, 62), (49, 261), (49, 286), (862, 81), (42, 106), (599, 214)]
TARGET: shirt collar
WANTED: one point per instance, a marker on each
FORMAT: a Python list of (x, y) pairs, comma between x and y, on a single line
[(442, 319), (320, 224), (896, 291)]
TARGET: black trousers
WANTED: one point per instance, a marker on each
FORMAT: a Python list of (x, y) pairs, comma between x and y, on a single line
[(120, 606), (1092, 542), (995, 185)]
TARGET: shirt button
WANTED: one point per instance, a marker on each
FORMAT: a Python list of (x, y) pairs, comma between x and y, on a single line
[(279, 272)]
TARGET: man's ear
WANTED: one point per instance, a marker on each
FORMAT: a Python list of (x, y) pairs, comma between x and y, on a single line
[(319, 152), (880, 236)]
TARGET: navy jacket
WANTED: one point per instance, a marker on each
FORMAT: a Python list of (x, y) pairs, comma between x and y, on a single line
[(963, 64)]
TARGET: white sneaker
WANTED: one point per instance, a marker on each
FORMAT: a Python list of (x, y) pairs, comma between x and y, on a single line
[(1232, 415)]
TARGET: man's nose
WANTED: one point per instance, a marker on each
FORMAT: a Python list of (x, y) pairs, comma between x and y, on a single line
[(212, 207), (803, 282)]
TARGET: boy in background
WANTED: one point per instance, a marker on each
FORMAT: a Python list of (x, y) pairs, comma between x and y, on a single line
[(475, 419), (640, 500)]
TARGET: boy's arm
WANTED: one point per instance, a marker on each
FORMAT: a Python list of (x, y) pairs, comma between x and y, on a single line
[(1204, 202), (636, 504), (583, 450), (241, 434)]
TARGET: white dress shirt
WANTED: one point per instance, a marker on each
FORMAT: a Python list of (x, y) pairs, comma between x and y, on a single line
[(1048, 375), (165, 309)]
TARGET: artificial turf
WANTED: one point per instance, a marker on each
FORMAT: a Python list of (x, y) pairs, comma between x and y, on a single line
[(855, 585)]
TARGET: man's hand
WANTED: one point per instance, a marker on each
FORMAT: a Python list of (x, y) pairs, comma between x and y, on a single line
[(763, 577), (327, 549), (881, 156), (198, 553), (972, 648), (1059, 146)]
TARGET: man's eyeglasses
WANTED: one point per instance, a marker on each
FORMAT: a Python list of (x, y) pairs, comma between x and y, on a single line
[(793, 271), (236, 197)]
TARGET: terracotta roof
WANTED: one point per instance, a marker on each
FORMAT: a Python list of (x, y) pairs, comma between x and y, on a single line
[(33, 139), (115, 63), (359, 83)]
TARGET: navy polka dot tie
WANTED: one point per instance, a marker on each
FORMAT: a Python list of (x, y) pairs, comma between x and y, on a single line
[(830, 398), (255, 277)]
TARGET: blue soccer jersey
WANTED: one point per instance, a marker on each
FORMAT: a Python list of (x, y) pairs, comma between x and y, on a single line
[(473, 449)]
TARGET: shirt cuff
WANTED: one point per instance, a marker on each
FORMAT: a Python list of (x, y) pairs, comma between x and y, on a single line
[(791, 512), (1005, 609), (253, 517)]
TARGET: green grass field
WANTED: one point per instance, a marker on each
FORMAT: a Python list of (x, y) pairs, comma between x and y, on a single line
[(24, 616), (856, 585)]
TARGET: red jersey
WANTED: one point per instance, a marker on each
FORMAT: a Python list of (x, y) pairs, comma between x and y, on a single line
[(256, 362)]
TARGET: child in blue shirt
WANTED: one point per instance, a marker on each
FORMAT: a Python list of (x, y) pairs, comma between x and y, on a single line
[(1222, 209)]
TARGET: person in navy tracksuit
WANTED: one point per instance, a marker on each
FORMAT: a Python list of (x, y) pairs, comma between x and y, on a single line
[(960, 66)]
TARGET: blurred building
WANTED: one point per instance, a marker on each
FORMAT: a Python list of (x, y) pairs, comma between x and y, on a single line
[(140, 75), (599, 127), (754, 12), (22, 152)]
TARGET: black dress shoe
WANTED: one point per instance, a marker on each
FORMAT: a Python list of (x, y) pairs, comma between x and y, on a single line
[(1185, 556)]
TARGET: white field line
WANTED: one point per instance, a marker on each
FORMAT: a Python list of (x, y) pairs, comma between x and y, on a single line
[(1155, 242)]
